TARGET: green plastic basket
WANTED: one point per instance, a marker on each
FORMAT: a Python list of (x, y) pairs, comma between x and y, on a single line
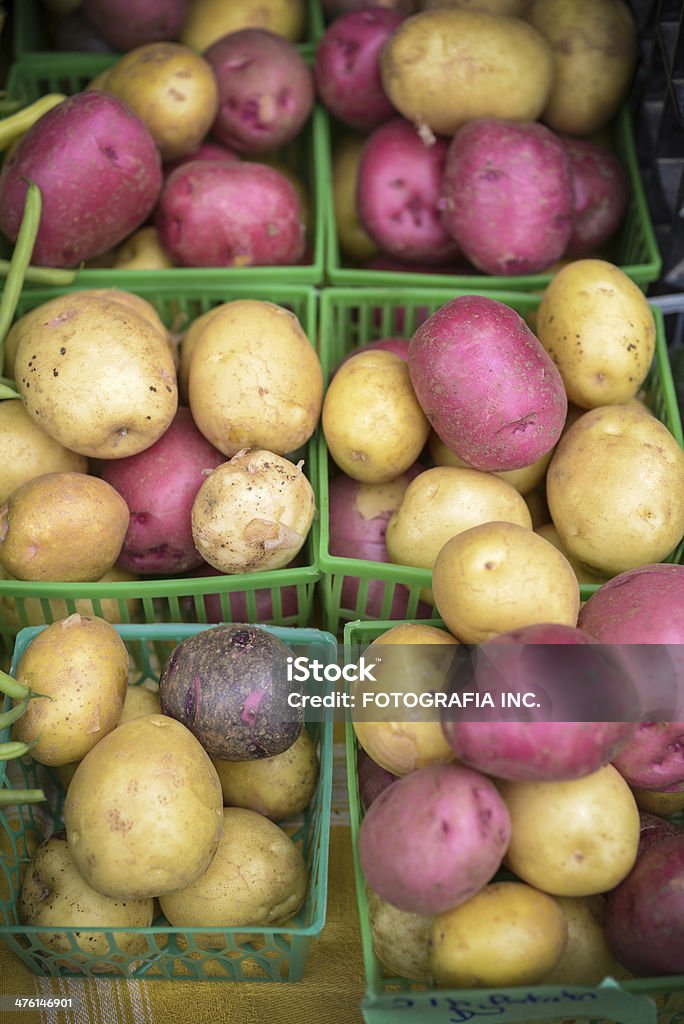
[(352, 316), (31, 34), (282, 597), (389, 1000), (634, 249), (33, 77), (236, 954)]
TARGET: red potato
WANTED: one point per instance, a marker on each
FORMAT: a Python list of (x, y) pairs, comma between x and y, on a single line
[(654, 829), (131, 23), (358, 517), (642, 610), (544, 743), (600, 195), (335, 8), (644, 913), (432, 839), (215, 213), (239, 601), (99, 172), (397, 345), (486, 385), (206, 151), (507, 195), (398, 187), (266, 90), (347, 70), (654, 757), (373, 778), (159, 486)]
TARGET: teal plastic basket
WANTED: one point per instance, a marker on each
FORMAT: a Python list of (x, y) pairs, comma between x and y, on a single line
[(389, 1000), (352, 316), (35, 76), (634, 248), (282, 597), (233, 954)]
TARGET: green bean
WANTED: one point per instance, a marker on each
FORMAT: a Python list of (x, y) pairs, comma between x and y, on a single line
[(21, 257), (42, 275), (8, 717), (12, 749), (10, 797), (8, 392), (13, 688)]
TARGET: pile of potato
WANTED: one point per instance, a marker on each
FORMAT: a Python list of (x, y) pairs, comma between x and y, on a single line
[(478, 137), (107, 473), (505, 849), (151, 809)]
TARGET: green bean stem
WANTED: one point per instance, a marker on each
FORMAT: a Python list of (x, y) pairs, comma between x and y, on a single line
[(12, 749), (8, 717), (10, 797), (42, 275), (21, 257), (13, 688)]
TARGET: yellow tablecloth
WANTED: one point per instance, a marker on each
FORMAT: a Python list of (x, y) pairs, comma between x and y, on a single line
[(330, 991)]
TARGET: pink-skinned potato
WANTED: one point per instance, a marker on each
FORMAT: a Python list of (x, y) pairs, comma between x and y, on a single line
[(486, 385), (347, 70), (131, 23), (432, 839), (159, 486), (215, 213), (600, 196), (654, 829), (544, 743), (641, 612), (398, 188), (358, 517), (99, 172), (644, 913), (207, 150), (507, 196), (654, 757), (266, 90)]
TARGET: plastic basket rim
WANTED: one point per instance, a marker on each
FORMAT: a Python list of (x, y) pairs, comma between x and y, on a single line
[(642, 273), (169, 630)]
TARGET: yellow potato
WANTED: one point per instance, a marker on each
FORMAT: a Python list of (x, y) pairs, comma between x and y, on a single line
[(36, 611), (595, 54), (26, 451), (509, 933), (539, 510), (524, 480), (120, 841), (443, 67), (55, 895), (598, 328), (257, 877), (80, 664), (573, 838), (400, 939), (139, 305), (209, 20), (140, 700), (373, 425), (187, 347), (655, 802), (142, 251), (277, 787), (96, 375), (586, 959), (441, 503), (255, 379), (252, 513), (510, 8), (584, 575), (404, 740), (355, 242), (66, 527), (501, 576), (172, 89), (615, 488)]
